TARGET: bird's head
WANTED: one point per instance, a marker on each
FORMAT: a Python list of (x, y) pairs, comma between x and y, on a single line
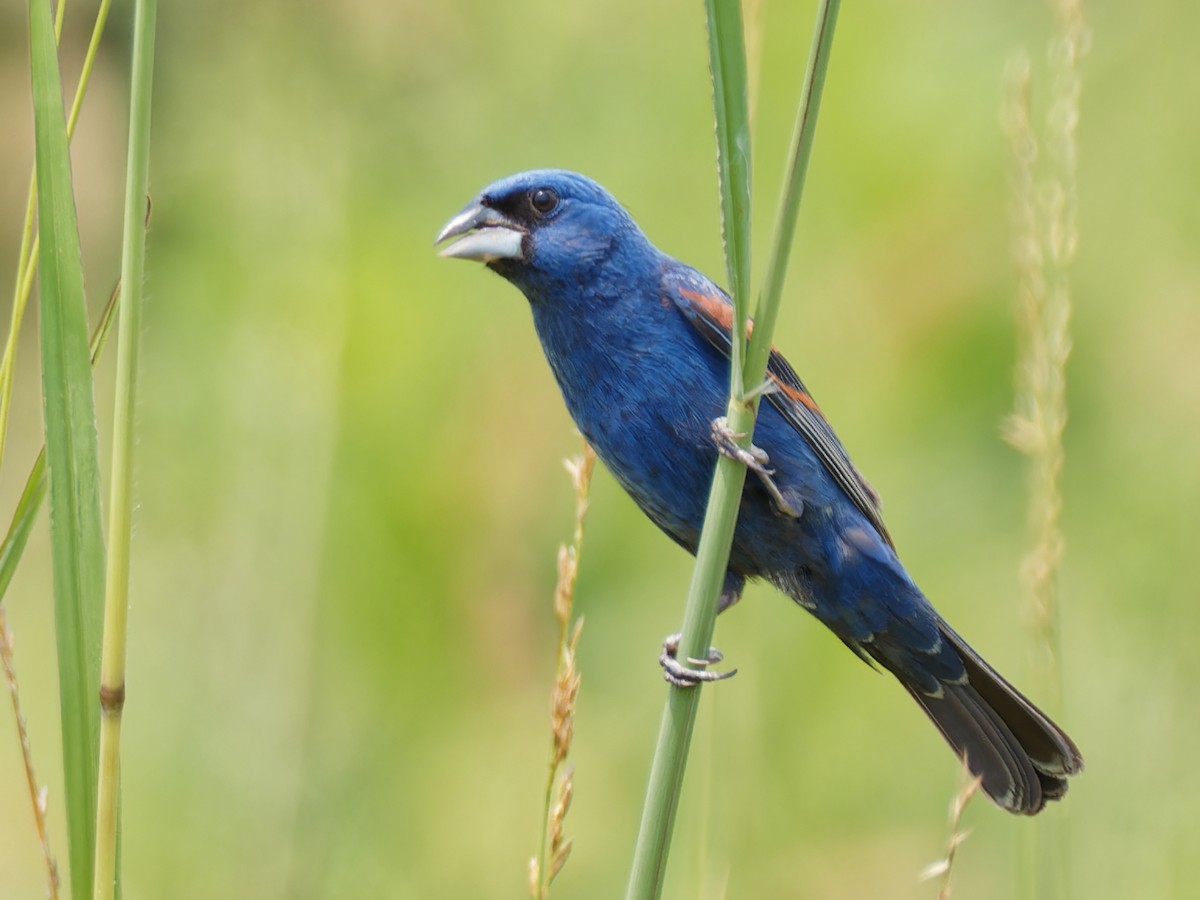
[(543, 227)]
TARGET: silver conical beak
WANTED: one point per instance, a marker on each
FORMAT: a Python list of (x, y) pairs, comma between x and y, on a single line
[(487, 236)]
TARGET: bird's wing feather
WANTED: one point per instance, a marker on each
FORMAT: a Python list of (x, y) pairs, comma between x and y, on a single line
[(710, 312)]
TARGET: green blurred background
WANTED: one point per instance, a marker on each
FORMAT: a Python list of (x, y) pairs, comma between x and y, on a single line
[(349, 488)]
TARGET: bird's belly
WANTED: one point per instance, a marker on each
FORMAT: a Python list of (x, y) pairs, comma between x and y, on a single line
[(651, 432), (660, 453)]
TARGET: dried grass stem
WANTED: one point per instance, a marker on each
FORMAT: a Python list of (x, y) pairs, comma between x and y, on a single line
[(555, 847), (37, 795)]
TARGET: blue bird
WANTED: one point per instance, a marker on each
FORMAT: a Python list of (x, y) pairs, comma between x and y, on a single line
[(639, 344)]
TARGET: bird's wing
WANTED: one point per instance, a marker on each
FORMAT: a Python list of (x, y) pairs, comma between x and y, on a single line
[(709, 310)]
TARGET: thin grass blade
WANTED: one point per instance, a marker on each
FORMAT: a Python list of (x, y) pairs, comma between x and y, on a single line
[(71, 451), (727, 60), (116, 596), (34, 492), (27, 259), (803, 134), (727, 55)]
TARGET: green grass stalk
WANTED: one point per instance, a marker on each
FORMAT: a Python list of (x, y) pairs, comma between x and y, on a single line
[(727, 62), (803, 134), (27, 258), (27, 262), (71, 450), (21, 293), (11, 550), (120, 523), (34, 491), (716, 539)]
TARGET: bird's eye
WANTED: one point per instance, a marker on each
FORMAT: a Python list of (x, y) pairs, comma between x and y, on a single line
[(543, 199)]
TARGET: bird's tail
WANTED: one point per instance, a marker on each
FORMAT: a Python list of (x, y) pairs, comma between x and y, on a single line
[(1023, 758)]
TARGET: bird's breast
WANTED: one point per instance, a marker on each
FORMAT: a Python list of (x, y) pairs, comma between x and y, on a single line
[(644, 395)]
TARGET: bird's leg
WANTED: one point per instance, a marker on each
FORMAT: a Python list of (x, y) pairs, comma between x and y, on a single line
[(696, 672), (753, 458)]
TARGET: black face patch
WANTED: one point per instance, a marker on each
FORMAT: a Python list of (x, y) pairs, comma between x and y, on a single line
[(525, 207)]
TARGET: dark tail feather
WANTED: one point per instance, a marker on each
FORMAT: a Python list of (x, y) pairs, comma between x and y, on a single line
[(1022, 756)]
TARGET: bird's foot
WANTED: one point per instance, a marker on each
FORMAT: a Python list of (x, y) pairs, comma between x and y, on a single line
[(685, 676), (753, 458)]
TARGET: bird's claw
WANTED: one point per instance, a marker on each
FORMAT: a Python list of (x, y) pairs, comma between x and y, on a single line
[(753, 458), (685, 676)]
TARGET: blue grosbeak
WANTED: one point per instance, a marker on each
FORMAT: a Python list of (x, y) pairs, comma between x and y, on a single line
[(640, 344)]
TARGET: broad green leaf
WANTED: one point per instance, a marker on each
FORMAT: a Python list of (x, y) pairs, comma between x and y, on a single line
[(34, 493), (71, 451)]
